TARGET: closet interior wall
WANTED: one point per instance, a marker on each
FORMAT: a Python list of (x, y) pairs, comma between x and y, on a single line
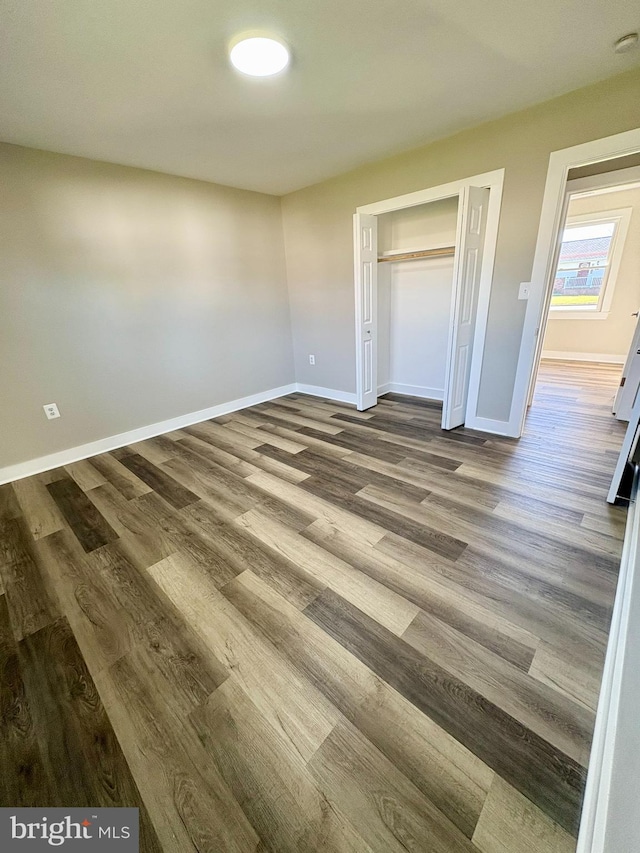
[(414, 299)]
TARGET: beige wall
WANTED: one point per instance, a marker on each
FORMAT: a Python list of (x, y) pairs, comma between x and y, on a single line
[(130, 297), (318, 227), (613, 335)]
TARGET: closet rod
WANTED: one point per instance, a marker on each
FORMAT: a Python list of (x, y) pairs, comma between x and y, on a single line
[(444, 252)]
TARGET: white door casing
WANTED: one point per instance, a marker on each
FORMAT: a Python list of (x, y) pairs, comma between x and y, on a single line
[(365, 227), (494, 182), (560, 163), (542, 328), (630, 382), (472, 219)]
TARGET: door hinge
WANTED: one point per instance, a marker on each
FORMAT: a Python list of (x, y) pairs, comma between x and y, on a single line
[(622, 381)]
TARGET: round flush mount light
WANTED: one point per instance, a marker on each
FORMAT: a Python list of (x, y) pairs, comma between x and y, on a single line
[(259, 56), (626, 43)]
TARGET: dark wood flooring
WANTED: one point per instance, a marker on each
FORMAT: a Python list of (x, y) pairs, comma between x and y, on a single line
[(304, 628)]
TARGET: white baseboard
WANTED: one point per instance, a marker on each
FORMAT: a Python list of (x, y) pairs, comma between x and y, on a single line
[(602, 358), (490, 425), (421, 391), (480, 424), (104, 445), (329, 393)]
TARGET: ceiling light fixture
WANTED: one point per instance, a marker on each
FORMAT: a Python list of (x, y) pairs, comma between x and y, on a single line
[(259, 56), (626, 43)]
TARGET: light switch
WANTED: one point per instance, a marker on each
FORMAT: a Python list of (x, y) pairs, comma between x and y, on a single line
[(525, 289)]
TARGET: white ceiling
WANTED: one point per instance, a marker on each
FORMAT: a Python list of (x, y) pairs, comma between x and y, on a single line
[(147, 82)]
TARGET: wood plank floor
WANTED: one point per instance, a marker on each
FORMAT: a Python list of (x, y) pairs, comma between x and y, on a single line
[(304, 628)]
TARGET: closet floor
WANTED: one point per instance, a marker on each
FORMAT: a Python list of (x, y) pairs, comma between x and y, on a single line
[(303, 628)]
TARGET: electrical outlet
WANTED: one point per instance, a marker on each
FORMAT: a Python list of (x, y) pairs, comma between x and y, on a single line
[(51, 411), (312, 359)]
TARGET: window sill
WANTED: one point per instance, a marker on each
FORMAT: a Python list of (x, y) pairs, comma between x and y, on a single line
[(559, 314)]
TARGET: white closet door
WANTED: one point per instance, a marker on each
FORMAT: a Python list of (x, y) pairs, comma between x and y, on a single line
[(630, 381), (366, 277), (472, 217)]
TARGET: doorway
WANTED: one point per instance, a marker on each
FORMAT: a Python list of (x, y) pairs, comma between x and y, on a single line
[(593, 295), (475, 203), (570, 163)]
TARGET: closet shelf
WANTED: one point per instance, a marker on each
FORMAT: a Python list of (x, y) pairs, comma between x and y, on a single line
[(443, 252)]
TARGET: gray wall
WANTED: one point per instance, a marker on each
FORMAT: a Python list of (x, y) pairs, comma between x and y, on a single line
[(130, 297), (318, 228)]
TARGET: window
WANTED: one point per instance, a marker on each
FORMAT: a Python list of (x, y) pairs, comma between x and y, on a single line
[(588, 264)]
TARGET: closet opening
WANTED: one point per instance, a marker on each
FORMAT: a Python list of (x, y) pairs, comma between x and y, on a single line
[(423, 270), (416, 250)]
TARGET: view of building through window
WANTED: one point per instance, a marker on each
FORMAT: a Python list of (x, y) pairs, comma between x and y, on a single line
[(581, 275)]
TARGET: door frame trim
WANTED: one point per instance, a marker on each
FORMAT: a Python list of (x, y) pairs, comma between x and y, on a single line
[(494, 182), (560, 162)]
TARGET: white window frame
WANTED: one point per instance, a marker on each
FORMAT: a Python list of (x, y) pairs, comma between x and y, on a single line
[(621, 217)]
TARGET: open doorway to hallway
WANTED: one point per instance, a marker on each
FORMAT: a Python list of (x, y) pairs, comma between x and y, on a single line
[(594, 292), (613, 154)]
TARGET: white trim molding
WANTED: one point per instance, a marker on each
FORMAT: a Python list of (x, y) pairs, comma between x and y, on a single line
[(112, 442), (567, 314), (104, 445), (327, 393), (553, 205), (490, 425), (494, 182), (595, 357), (609, 182), (399, 202), (480, 424), (421, 391)]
